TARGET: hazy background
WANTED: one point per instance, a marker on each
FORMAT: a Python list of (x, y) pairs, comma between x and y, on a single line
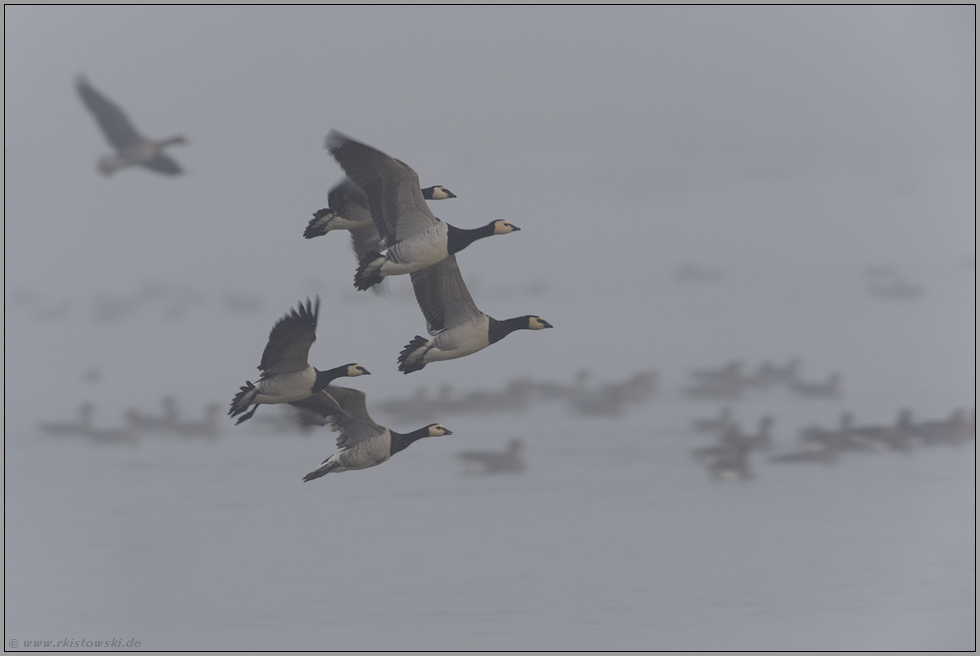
[(791, 147)]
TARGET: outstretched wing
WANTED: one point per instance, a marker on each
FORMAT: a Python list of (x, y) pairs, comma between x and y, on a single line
[(163, 164), (290, 340), (352, 422), (398, 208), (116, 127), (442, 296)]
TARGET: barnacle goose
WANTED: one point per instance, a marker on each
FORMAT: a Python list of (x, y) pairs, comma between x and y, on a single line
[(412, 238), (286, 374), (132, 148), (493, 462), (457, 326), (348, 210), (364, 443)]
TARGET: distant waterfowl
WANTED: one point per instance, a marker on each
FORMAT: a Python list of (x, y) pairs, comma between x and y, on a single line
[(132, 148), (83, 425), (457, 326), (168, 421), (364, 443), (286, 374), (493, 462), (829, 389), (714, 424), (412, 238), (210, 427)]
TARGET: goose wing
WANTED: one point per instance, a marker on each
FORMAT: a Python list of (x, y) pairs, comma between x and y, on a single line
[(352, 421), (116, 127), (290, 340), (442, 296), (163, 164), (347, 199), (398, 208)]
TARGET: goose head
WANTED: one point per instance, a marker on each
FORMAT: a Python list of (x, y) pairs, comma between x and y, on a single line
[(437, 192), (501, 227), (437, 430), (537, 323)]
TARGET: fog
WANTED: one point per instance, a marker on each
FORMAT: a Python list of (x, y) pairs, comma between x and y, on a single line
[(816, 165)]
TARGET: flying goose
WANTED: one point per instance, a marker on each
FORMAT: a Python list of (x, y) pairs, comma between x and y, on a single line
[(286, 374), (452, 318), (348, 210), (412, 238), (363, 442), (132, 148)]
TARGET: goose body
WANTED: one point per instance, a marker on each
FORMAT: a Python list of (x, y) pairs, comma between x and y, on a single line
[(458, 328), (362, 441), (286, 374), (411, 237), (492, 462), (132, 148)]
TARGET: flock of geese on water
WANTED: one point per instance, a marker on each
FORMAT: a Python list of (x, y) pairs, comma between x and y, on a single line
[(382, 205), (728, 458), (730, 381)]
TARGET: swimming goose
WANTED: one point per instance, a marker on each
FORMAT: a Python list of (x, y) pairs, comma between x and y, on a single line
[(286, 374), (456, 324), (83, 425), (132, 148), (363, 442), (412, 238), (492, 462)]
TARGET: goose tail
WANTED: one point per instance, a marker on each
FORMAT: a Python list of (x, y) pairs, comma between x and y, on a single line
[(411, 357), (244, 398), (369, 271), (325, 469), (319, 225)]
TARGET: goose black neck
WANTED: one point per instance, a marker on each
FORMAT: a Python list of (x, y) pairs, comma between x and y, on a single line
[(460, 238), (500, 329), (400, 442), (324, 378)]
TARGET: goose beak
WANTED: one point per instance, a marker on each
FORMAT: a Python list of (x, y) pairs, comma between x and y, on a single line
[(448, 432)]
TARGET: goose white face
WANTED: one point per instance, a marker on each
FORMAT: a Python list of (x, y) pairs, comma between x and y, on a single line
[(501, 227), (441, 193), (537, 323), (438, 430), (357, 370)]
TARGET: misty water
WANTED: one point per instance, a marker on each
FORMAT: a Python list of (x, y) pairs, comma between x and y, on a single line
[(803, 181)]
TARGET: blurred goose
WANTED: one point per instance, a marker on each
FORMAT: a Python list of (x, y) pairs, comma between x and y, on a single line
[(83, 425), (458, 327), (132, 148), (714, 424), (829, 389), (208, 428), (363, 442), (492, 462), (412, 238), (286, 374)]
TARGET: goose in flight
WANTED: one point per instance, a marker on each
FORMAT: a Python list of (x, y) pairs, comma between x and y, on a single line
[(363, 442), (412, 238), (457, 326), (348, 210), (132, 148), (286, 374)]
